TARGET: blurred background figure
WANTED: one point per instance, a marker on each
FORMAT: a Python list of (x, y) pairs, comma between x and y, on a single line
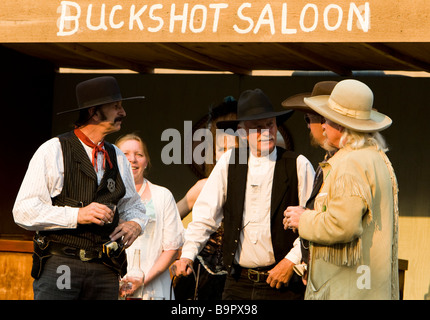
[(208, 264), (317, 139)]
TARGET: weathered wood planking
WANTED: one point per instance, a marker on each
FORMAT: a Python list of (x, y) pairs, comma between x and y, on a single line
[(215, 21)]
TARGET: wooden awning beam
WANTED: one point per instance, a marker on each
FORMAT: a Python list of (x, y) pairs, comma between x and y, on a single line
[(200, 58), (397, 56), (313, 58), (115, 62)]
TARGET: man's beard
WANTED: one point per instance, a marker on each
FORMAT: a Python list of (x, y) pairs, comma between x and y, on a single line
[(327, 146), (314, 142)]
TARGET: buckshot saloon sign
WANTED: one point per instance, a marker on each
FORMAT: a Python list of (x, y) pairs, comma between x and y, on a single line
[(213, 21)]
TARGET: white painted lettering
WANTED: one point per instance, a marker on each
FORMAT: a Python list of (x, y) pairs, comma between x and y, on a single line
[(66, 18), (136, 17), (111, 18), (339, 17), (262, 20), (204, 17), (303, 15), (284, 29), (155, 18), (217, 7), (269, 19), (102, 24), (182, 17), (363, 20), (242, 17)]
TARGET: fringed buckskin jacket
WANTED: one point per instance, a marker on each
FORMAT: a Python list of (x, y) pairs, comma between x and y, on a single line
[(353, 229)]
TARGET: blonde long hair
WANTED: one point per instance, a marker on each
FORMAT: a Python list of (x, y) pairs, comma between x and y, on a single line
[(134, 136), (358, 140)]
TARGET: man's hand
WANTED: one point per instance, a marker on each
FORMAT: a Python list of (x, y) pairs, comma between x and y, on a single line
[(292, 217), (182, 267), (96, 213), (128, 231), (280, 274)]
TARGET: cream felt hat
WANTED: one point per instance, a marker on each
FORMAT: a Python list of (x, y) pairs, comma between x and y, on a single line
[(350, 105)]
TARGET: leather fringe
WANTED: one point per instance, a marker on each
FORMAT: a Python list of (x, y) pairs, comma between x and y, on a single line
[(345, 254), (340, 254)]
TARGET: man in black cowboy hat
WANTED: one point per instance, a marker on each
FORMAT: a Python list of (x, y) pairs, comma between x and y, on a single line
[(250, 197), (318, 139), (78, 195)]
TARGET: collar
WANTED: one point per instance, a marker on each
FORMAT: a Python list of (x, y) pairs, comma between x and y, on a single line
[(270, 157)]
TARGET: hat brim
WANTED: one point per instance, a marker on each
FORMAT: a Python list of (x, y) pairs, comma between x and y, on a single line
[(296, 102), (99, 103), (376, 122), (280, 116)]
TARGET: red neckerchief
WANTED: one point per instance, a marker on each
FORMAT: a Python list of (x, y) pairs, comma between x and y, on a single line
[(96, 148)]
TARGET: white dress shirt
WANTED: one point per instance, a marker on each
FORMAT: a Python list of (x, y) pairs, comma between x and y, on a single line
[(33, 209), (255, 247)]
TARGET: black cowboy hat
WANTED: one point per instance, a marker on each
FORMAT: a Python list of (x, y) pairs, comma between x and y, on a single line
[(254, 105), (98, 91), (297, 102)]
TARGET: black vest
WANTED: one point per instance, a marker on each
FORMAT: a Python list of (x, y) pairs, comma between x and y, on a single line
[(80, 189), (284, 194)]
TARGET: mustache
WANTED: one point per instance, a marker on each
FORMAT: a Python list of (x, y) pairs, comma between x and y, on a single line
[(266, 136), (118, 119), (271, 137)]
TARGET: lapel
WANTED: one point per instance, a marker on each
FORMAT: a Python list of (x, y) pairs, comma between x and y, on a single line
[(80, 156), (238, 184), (109, 173), (280, 181), (316, 188)]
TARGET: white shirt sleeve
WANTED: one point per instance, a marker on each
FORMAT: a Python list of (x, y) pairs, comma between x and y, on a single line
[(130, 207), (44, 179), (305, 175), (295, 254), (207, 211), (33, 209)]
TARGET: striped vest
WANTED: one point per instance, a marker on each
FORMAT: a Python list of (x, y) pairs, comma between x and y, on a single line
[(80, 189)]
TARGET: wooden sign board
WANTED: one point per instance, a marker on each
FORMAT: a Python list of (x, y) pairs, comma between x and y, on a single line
[(214, 21)]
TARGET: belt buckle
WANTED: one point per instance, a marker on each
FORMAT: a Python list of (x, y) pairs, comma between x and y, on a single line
[(251, 275), (82, 255)]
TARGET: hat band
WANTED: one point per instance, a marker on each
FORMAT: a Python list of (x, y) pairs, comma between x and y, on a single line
[(357, 114)]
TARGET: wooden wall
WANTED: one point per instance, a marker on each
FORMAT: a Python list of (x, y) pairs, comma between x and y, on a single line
[(16, 282)]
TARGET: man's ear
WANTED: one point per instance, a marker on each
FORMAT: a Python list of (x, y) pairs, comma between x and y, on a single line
[(93, 114)]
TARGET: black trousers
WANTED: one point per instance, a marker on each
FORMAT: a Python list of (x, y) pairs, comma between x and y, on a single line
[(65, 278), (239, 287)]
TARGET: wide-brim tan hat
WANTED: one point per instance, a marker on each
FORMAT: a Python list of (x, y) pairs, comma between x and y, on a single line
[(296, 102), (350, 105)]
